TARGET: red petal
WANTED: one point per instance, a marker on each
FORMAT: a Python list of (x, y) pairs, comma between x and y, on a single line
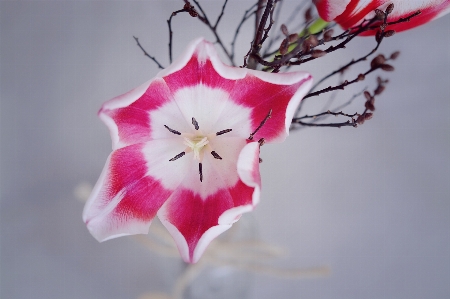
[(357, 10), (194, 221), (195, 72), (131, 123), (125, 199), (262, 97)]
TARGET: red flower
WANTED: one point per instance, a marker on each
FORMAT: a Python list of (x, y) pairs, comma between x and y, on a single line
[(181, 149), (349, 13)]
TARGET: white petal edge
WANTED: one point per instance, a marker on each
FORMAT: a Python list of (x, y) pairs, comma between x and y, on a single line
[(88, 212), (234, 73), (207, 50), (334, 8), (121, 101), (247, 160), (92, 215)]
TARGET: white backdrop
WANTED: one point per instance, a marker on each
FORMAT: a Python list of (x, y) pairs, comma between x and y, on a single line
[(372, 203)]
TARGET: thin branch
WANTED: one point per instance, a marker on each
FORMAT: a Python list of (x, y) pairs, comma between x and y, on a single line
[(279, 35), (339, 70), (169, 23), (203, 17), (340, 107), (221, 14), (260, 4), (325, 113), (271, 22), (246, 16), (340, 86), (348, 123), (146, 54), (256, 44)]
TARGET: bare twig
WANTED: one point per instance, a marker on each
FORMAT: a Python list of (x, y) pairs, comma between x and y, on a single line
[(146, 54), (256, 44), (169, 23), (221, 14), (248, 13), (204, 18), (348, 123)]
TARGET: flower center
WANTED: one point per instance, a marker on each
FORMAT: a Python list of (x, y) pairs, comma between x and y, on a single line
[(196, 145)]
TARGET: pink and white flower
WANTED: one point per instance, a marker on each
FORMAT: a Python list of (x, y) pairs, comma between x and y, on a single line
[(181, 149), (349, 13)]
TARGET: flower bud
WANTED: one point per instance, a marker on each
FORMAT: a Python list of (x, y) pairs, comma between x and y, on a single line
[(390, 8), (395, 55), (377, 61), (313, 40), (328, 35), (360, 120), (380, 14), (389, 33), (368, 116), (387, 67), (308, 14), (318, 53), (370, 105), (379, 89), (284, 46), (293, 38), (284, 30)]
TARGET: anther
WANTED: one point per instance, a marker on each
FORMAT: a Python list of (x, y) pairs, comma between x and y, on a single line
[(200, 171), (178, 156), (195, 123), (172, 130), (261, 142), (216, 155), (223, 132), (260, 125)]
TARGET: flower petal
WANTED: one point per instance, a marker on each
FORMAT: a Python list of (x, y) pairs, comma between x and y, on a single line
[(125, 199), (265, 96), (181, 149), (193, 221), (330, 9), (248, 168), (258, 91), (127, 116), (356, 10)]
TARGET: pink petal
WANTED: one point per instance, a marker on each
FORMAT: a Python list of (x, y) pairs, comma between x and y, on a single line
[(259, 91), (263, 96), (356, 10), (330, 9), (127, 116), (248, 168), (125, 199), (194, 221)]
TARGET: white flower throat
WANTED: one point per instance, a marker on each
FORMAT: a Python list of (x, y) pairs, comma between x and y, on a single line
[(197, 143)]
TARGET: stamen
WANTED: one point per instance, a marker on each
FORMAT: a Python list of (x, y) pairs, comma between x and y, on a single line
[(195, 123), (200, 171), (260, 125), (216, 155), (223, 132), (178, 156), (172, 130), (261, 141)]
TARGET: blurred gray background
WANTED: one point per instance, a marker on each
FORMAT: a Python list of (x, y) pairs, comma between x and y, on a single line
[(372, 203)]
